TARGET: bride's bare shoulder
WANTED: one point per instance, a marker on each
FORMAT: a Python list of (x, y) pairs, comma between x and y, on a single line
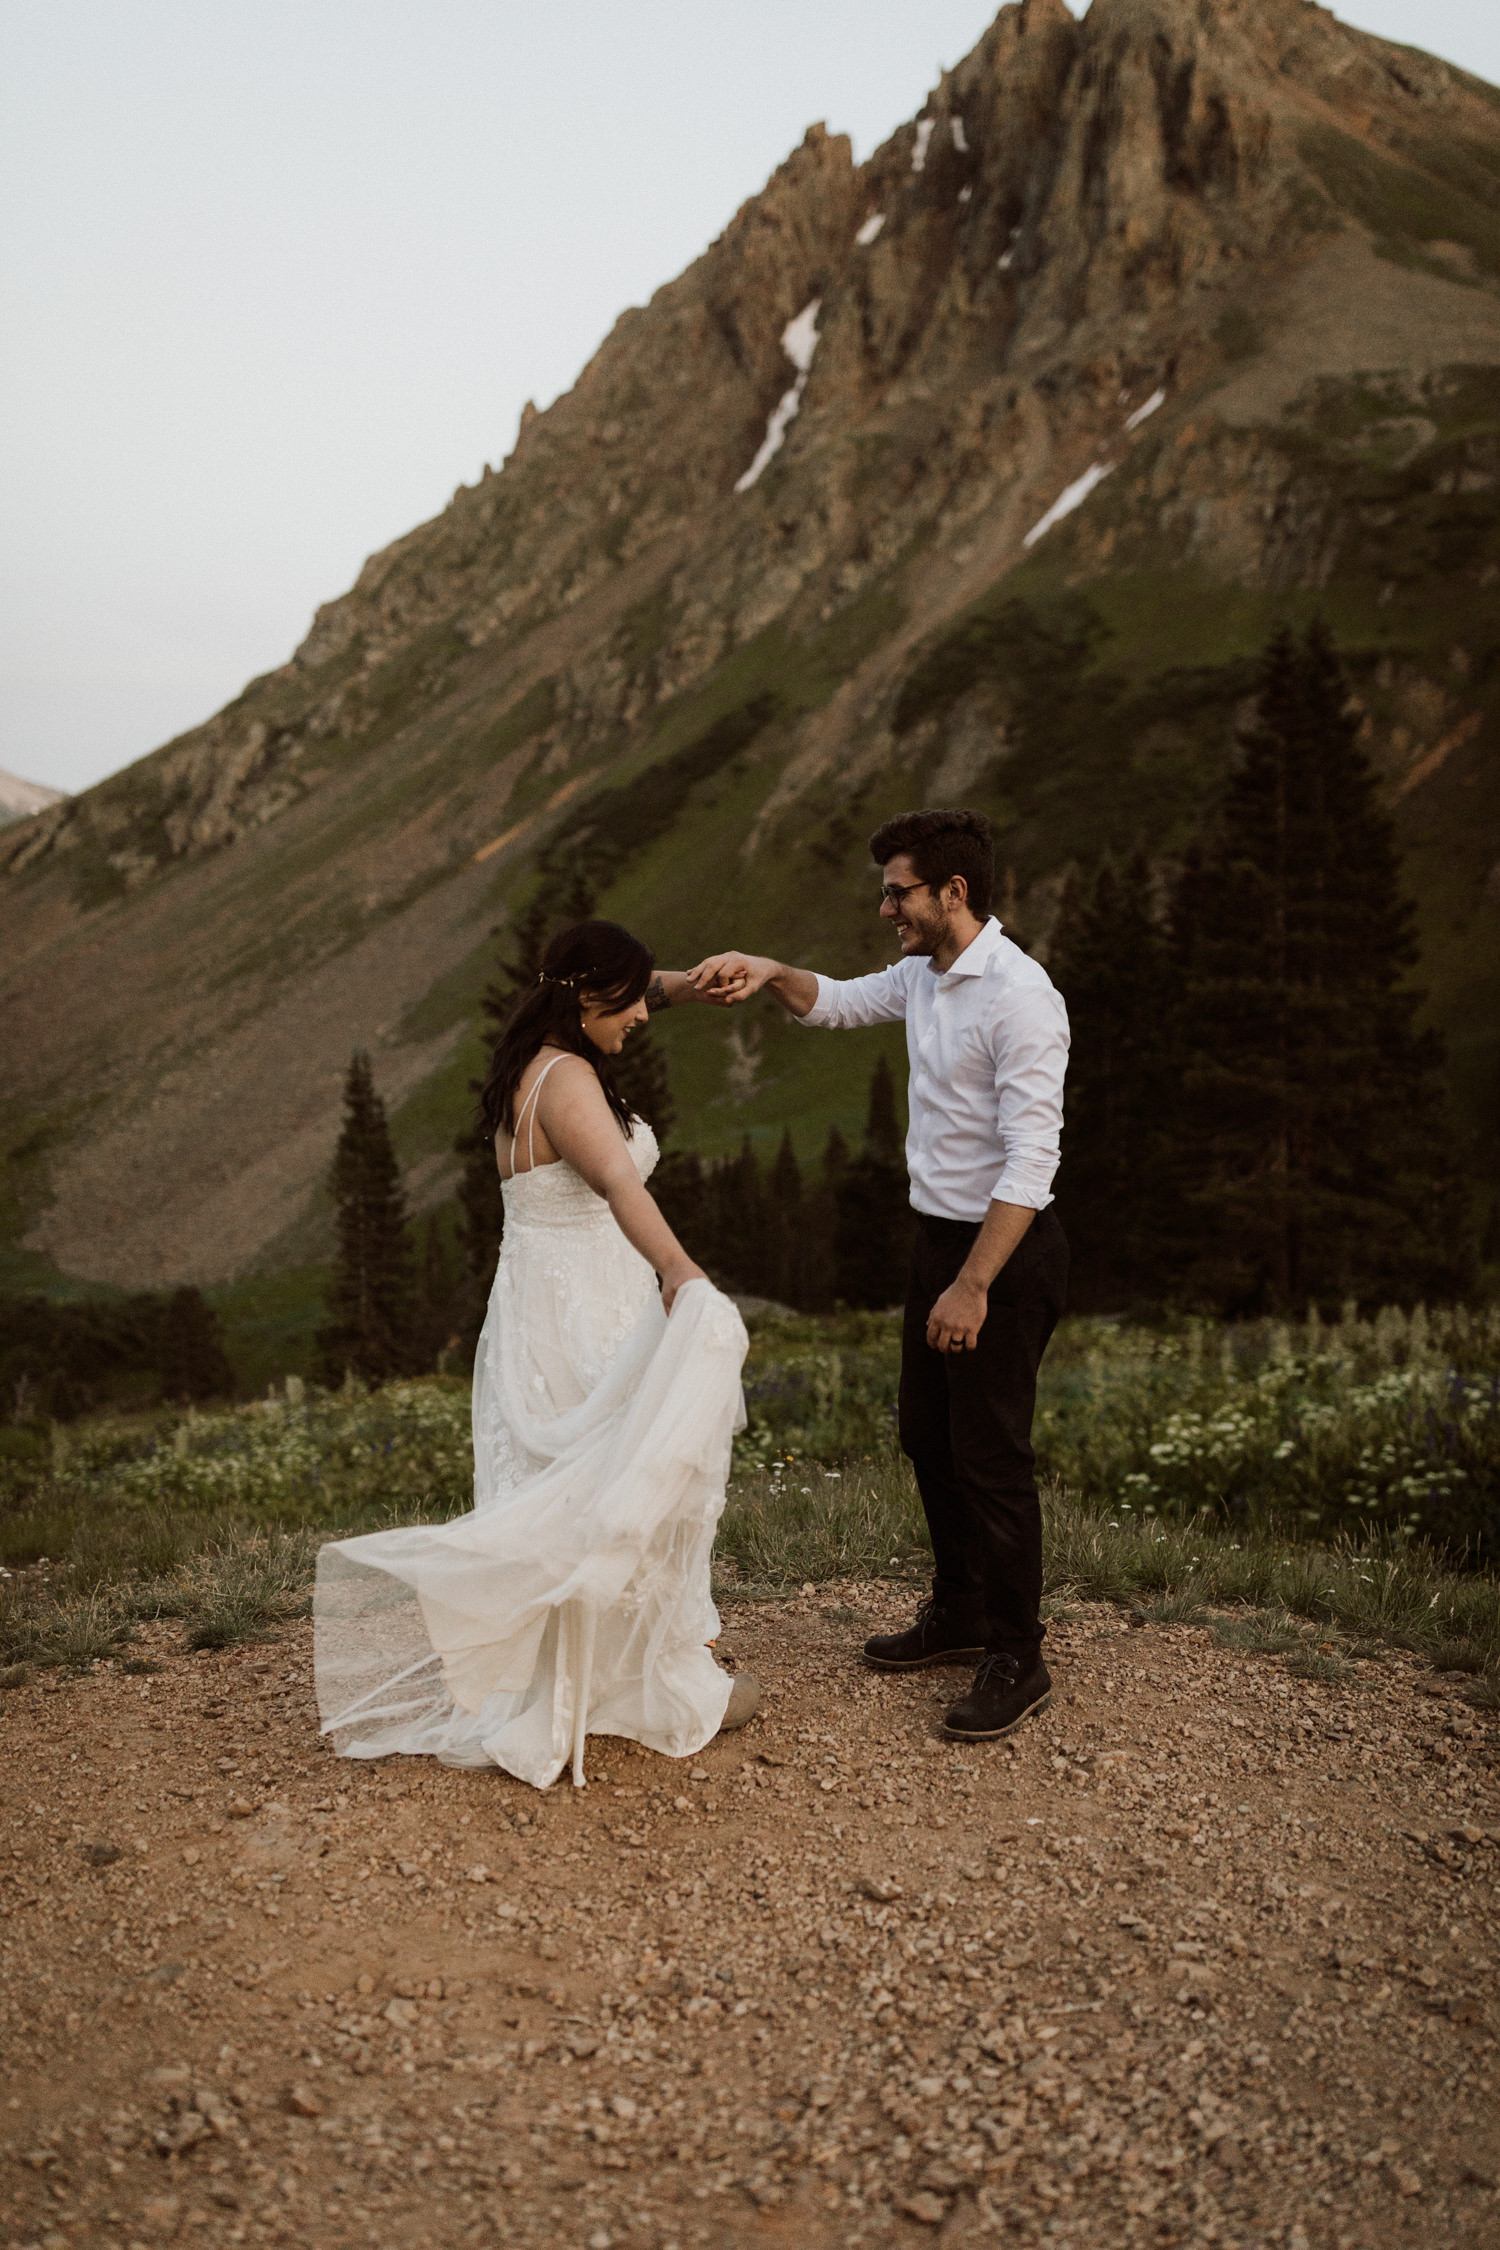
[(558, 1065), (540, 1081), (562, 1086), (564, 1072)]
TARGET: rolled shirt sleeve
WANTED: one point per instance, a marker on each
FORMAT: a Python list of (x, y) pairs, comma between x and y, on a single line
[(852, 1003), (1031, 1060)]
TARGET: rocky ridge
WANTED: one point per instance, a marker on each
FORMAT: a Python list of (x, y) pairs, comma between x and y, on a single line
[(1228, 276)]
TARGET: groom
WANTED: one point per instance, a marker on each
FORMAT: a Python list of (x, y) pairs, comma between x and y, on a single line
[(987, 1041)]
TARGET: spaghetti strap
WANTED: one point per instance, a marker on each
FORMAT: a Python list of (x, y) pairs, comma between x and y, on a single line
[(530, 1104)]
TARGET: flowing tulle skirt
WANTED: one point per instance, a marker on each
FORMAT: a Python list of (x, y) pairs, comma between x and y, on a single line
[(575, 1601)]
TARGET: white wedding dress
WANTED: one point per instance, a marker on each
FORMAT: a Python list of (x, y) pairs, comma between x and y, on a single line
[(574, 1600)]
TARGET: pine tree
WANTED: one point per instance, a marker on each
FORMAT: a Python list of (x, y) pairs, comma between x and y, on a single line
[(1489, 1247), (820, 1221), (438, 1300), (1316, 1141), (787, 1268), (1485, 1164), (370, 1296), (884, 1139), (193, 1361), (680, 1187), (873, 1219), (1111, 958), (737, 1232)]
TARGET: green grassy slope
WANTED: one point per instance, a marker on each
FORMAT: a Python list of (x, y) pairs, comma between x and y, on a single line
[(1117, 686)]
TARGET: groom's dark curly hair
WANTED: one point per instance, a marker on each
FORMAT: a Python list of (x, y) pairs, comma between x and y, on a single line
[(941, 845)]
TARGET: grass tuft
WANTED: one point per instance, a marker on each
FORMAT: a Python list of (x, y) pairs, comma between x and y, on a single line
[(1458, 1656), (1260, 1635), (55, 1627), (238, 1592), (1185, 1607), (1316, 1664)]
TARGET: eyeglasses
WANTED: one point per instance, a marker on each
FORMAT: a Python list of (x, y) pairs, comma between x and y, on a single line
[(894, 893)]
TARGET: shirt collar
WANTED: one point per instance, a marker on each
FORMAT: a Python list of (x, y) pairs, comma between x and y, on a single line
[(975, 957)]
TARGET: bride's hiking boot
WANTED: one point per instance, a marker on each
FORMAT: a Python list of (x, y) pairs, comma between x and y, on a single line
[(744, 1702), (935, 1636), (1006, 1692)]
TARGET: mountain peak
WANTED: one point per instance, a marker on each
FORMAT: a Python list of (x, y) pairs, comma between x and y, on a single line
[(20, 799), (1180, 314)]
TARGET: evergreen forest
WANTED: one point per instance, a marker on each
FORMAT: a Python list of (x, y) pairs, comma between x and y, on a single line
[(1255, 1123)]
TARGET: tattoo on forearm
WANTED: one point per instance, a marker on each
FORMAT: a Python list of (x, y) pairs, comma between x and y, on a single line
[(656, 996)]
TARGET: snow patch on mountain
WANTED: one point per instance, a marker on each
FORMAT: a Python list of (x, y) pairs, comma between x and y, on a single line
[(1066, 501), (1143, 413), (799, 340)]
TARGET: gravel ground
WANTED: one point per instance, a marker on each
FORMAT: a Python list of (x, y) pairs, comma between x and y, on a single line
[(1206, 1956)]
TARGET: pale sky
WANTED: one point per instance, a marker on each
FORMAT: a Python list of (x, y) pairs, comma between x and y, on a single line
[(277, 275)]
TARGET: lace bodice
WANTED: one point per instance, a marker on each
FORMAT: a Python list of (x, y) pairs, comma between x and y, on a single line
[(553, 1195)]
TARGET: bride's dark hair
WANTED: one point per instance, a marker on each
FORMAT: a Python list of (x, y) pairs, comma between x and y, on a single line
[(591, 961)]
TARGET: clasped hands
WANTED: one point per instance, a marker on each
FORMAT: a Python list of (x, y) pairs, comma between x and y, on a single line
[(725, 979)]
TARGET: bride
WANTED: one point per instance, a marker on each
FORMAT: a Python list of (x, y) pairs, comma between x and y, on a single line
[(574, 1599)]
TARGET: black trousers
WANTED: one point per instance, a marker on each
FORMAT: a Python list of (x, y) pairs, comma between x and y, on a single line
[(966, 1426)]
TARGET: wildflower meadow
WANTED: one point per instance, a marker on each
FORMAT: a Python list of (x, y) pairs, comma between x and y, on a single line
[(1326, 1477)]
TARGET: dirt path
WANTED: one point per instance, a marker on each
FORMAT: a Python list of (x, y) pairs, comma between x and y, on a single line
[(1208, 1956)]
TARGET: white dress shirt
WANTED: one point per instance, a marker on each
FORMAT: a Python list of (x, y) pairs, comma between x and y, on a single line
[(987, 1041)]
